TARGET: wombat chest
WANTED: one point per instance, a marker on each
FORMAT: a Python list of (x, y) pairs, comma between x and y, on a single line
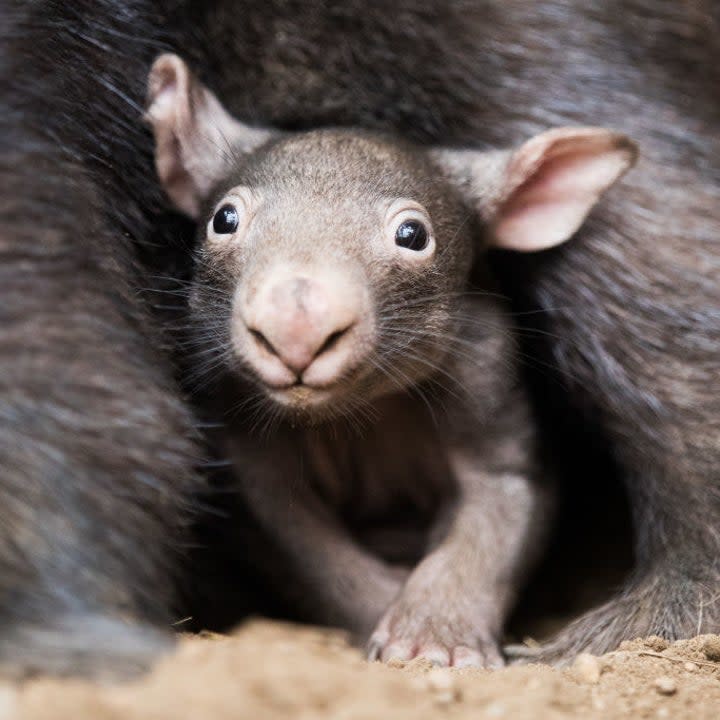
[(387, 480)]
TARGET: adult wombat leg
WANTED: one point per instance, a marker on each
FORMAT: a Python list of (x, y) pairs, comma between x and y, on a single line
[(95, 457), (667, 598), (674, 590), (671, 473)]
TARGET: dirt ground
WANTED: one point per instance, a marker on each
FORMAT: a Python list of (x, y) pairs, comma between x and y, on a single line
[(271, 670)]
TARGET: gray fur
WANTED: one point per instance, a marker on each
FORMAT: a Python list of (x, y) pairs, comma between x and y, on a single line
[(431, 418)]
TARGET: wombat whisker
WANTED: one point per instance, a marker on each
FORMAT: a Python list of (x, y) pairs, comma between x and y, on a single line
[(359, 415), (212, 343), (455, 389), (174, 308), (447, 341), (255, 404), (440, 340), (171, 278), (204, 375), (193, 342), (410, 387), (429, 299), (525, 358), (436, 369), (246, 400), (468, 319), (181, 292)]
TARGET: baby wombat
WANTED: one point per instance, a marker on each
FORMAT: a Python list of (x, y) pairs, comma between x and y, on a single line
[(377, 423)]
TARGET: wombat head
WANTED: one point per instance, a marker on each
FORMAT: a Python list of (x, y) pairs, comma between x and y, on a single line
[(331, 261)]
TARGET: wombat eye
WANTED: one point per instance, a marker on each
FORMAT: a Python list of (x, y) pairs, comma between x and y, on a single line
[(412, 234), (226, 220)]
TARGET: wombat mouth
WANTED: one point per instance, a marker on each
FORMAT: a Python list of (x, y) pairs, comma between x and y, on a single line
[(314, 404), (303, 398)]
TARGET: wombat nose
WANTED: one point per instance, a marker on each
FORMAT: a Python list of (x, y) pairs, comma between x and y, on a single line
[(305, 322), (299, 353)]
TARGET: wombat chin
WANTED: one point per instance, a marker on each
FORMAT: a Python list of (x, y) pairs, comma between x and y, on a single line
[(311, 406)]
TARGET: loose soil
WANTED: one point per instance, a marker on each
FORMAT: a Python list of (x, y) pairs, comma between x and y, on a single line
[(270, 670)]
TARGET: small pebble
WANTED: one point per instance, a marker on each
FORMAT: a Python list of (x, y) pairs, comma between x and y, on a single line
[(665, 685), (495, 710), (440, 679), (690, 666), (587, 668), (445, 698), (442, 683), (711, 648)]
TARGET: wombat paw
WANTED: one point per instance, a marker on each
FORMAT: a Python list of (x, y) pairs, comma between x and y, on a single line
[(91, 646), (403, 635)]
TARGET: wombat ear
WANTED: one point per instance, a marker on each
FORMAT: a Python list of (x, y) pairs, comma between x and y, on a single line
[(195, 137), (538, 196)]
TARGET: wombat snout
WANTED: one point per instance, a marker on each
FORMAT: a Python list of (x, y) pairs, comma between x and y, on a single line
[(302, 326)]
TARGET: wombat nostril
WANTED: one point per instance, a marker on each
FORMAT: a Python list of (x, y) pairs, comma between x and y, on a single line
[(261, 340), (331, 340)]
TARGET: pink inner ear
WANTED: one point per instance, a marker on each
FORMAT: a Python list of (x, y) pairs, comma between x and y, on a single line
[(563, 179), (164, 96)]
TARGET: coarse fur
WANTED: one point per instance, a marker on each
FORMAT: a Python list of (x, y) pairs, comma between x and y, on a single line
[(630, 307), (96, 444)]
